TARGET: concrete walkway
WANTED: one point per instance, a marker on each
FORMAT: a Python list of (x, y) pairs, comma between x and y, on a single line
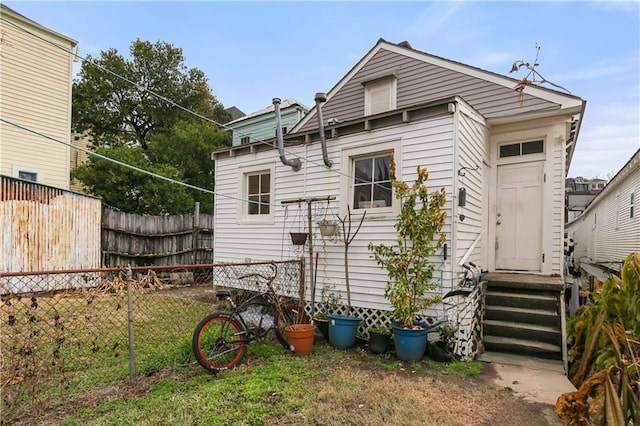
[(534, 379)]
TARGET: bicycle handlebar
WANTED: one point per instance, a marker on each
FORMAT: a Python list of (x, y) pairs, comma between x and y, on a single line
[(257, 274)]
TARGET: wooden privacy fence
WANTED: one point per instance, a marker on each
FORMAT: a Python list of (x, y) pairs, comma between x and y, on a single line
[(130, 239)]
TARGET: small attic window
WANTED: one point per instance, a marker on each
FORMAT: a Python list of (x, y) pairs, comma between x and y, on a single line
[(380, 95)]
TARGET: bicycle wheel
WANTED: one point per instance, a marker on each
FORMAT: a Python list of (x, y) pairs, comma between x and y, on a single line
[(219, 342), (290, 314)]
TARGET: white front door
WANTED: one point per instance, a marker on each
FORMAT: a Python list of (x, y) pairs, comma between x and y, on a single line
[(519, 217)]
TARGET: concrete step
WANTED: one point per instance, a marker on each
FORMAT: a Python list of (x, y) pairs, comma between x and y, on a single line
[(522, 347), (522, 300), (518, 330), (524, 315)]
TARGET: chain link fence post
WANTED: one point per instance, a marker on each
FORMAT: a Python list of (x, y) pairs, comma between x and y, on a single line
[(132, 360)]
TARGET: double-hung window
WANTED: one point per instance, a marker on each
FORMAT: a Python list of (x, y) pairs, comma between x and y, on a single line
[(256, 194), (365, 183), (372, 181), (259, 193)]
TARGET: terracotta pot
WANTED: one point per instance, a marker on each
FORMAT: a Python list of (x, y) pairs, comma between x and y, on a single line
[(300, 338)]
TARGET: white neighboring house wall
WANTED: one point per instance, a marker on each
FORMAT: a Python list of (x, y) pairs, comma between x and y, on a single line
[(35, 92), (609, 228)]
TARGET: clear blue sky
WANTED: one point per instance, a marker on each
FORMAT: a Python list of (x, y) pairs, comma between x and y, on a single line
[(255, 51)]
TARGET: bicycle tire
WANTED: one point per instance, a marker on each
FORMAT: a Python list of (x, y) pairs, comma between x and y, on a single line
[(290, 314), (219, 342)]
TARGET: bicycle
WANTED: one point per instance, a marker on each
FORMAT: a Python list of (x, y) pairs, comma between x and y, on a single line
[(220, 339)]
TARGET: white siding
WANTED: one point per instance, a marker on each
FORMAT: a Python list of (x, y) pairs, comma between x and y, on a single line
[(605, 232), (428, 143), (35, 92), (472, 154)]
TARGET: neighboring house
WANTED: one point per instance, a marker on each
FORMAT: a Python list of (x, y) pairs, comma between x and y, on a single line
[(507, 152), (260, 125), (35, 93), (235, 113), (578, 194), (609, 228), (78, 158)]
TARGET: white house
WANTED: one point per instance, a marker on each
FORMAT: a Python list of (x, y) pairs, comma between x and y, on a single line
[(609, 228), (507, 152)]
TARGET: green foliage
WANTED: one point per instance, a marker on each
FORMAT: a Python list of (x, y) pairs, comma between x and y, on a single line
[(116, 112), (407, 261), (606, 349), (126, 121)]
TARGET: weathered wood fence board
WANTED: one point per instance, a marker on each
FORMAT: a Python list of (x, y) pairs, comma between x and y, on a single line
[(156, 240)]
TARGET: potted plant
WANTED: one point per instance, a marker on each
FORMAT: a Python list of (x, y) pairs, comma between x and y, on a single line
[(329, 302), (327, 227), (407, 261), (379, 337), (343, 328)]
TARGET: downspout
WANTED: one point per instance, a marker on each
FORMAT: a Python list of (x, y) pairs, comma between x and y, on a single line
[(295, 164), (320, 98)]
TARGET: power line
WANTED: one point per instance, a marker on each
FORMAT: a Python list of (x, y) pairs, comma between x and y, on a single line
[(172, 103)]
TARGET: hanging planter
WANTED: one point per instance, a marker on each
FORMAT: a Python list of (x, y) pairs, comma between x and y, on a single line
[(328, 228), (298, 238)]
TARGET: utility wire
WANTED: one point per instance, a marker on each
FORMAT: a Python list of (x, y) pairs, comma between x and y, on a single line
[(172, 103)]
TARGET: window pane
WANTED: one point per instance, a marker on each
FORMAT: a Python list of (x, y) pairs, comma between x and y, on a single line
[(253, 207), (382, 194), (382, 165), (362, 196), (532, 147), (264, 208), (510, 150), (363, 170), (254, 184), (265, 183), (33, 177)]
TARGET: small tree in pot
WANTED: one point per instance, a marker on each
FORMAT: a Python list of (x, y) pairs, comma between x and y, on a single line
[(407, 260)]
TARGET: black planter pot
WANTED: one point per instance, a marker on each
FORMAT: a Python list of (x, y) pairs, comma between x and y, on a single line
[(323, 326), (379, 343)]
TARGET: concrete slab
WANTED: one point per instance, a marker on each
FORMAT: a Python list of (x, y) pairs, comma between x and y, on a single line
[(535, 379)]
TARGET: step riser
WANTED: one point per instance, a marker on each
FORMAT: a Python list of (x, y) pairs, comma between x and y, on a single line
[(520, 302), (522, 350), (553, 337), (528, 318)]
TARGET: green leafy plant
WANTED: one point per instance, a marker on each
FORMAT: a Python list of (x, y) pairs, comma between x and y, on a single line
[(605, 355), (407, 261), (380, 329), (329, 302)]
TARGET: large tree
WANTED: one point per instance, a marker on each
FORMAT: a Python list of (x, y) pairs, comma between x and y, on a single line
[(120, 101), (129, 109)]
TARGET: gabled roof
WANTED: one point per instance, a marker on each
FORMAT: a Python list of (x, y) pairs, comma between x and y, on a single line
[(287, 103), (423, 77)]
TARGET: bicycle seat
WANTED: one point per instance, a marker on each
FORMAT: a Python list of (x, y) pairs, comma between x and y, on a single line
[(226, 293)]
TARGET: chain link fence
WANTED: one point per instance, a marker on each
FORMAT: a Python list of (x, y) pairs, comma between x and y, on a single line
[(64, 333)]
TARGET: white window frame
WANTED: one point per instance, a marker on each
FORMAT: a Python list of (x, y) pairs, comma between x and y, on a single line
[(24, 169), (243, 174), (391, 83), (347, 178)]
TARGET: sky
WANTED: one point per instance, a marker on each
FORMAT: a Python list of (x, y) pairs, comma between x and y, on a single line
[(252, 52)]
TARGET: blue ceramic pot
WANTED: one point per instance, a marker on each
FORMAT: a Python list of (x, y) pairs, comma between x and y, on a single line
[(342, 330), (410, 344)]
